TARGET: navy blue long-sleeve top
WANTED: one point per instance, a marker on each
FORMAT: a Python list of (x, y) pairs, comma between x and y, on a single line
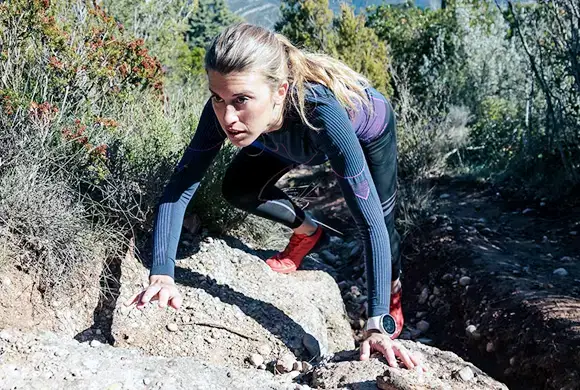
[(337, 139)]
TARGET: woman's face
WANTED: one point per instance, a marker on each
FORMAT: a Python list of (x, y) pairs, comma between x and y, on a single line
[(245, 105)]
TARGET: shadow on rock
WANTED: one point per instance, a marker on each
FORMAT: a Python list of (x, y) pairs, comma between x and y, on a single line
[(267, 315)]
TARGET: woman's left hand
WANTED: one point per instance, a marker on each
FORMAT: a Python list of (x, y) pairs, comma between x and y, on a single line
[(390, 349)]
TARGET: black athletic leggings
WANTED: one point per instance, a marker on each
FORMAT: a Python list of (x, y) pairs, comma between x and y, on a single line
[(249, 184)]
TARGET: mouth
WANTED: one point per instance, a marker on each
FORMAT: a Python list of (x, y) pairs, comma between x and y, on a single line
[(235, 132)]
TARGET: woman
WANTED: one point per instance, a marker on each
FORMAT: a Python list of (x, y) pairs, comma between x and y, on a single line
[(284, 107)]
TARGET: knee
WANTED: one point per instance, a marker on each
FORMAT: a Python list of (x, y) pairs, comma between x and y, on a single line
[(237, 195)]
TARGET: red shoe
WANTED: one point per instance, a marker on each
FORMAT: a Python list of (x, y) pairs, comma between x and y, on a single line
[(290, 258), (396, 311)]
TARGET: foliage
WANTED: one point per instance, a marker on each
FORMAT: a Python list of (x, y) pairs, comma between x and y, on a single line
[(423, 45), (360, 48), (208, 19), (310, 24), (86, 127), (549, 36), (162, 25)]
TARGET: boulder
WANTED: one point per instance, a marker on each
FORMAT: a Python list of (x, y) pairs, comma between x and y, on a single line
[(445, 371), (45, 360), (234, 308)]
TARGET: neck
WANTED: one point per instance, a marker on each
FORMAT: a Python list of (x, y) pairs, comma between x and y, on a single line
[(277, 123)]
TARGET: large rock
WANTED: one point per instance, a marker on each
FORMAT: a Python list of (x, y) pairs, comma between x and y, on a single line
[(233, 306), (446, 371), (47, 361)]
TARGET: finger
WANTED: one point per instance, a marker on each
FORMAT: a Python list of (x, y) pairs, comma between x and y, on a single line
[(389, 354), (163, 297), (149, 294), (404, 355), (134, 298), (176, 302), (416, 359), (365, 350)]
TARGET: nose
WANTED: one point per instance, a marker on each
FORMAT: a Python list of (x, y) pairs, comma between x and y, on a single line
[(231, 115)]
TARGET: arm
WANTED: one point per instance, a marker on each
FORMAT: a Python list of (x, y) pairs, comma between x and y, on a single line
[(182, 185), (339, 142)]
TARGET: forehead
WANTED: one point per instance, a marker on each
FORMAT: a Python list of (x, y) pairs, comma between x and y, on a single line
[(235, 83)]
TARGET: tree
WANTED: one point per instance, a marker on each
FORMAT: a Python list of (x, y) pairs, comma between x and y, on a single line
[(210, 17), (307, 23), (360, 48)]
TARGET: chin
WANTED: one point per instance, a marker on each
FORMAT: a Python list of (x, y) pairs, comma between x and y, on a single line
[(242, 143)]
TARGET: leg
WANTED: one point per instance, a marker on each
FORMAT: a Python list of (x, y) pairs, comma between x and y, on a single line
[(249, 184)]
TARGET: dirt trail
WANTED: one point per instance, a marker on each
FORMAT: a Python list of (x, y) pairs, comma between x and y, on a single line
[(496, 280), (523, 299)]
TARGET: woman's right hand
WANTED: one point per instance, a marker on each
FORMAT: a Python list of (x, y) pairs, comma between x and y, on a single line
[(161, 288)]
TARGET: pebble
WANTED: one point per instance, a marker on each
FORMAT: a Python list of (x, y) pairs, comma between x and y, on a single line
[(146, 381), (465, 280), (293, 375), (335, 240), (573, 233), (566, 259), (436, 291), (329, 256), (560, 272), (424, 296), (306, 366), (527, 211), (466, 373), (420, 314), (423, 326), (490, 347), (472, 332), (444, 196), (513, 361), (405, 335), (297, 366), (447, 277), (262, 367), (95, 343), (172, 327), (6, 281), (285, 363), (264, 350), (256, 359)]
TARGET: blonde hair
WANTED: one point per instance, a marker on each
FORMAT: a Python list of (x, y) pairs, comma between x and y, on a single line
[(244, 47)]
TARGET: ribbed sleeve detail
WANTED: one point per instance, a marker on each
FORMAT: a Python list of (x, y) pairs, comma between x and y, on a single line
[(337, 139), (182, 186)]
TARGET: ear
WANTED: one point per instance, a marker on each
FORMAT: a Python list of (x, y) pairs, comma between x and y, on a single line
[(280, 93)]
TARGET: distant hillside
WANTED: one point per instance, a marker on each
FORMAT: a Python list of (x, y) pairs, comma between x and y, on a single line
[(266, 12)]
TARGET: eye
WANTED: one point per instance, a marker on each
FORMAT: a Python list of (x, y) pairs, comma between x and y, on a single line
[(216, 99), (242, 99)]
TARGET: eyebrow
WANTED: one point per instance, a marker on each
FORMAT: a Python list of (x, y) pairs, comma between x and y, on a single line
[(236, 94)]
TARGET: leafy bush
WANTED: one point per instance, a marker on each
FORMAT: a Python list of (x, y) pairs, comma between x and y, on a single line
[(88, 136)]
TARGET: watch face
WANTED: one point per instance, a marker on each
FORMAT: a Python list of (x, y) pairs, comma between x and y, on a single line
[(389, 324)]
